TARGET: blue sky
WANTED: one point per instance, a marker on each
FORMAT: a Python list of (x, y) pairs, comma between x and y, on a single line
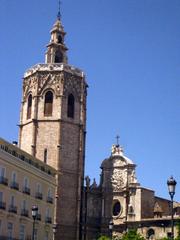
[(130, 52)]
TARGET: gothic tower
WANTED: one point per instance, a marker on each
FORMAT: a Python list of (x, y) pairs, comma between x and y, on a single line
[(53, 126)]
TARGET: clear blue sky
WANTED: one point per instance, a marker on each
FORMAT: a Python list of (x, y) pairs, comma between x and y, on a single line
[(130, 52)]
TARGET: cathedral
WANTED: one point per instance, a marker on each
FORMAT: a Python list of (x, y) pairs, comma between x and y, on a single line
[(53, 129)]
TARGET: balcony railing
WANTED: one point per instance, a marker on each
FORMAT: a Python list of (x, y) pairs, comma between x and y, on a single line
[(38, 195), (48, 220), (26, 190), (12, 209), (38, 217), (14, 185), (49, 199), (2, 205), (3, 180), (24, 212)]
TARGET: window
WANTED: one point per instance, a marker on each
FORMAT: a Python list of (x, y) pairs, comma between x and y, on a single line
[(46, 236), (12, 200), (48, 218), (26, 182), (38, 187), (45, 155), (150, 234), (70, 110), (49, 196), (59, 38), (47, 212), (13, 177), (49, 193), (116, 208), (26, 188), (2, 204), (22, 232), (1, 196), (35, 234), (9, 231), (3, 180), (29, 106), (14, 183), (0, 228), (24, 208), (38, 194), (48, 105), (24, 204), (12, 207), (58, 57), (2, 172)]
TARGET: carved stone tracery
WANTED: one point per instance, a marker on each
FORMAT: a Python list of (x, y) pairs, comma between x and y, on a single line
[(29, 85), (118, 179), (50, 80), (72, 85), (37, 84)]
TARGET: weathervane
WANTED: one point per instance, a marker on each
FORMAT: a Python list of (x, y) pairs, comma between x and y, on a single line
[(59, 10)]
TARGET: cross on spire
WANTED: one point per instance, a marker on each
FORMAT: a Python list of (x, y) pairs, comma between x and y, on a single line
[(117, 137), (59, 10)]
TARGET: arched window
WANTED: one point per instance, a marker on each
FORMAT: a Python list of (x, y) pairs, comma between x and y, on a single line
[(29, 106), (151, 234), (48, 105), (59, 39), (70, 108), (58, 57), (116, 208)]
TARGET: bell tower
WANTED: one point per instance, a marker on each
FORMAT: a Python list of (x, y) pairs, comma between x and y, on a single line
[(56, 49), (53, 126)]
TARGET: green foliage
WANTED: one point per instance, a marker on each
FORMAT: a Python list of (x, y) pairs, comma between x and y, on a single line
[(164, 238), (103, 238), (132, 235), (178, 230)]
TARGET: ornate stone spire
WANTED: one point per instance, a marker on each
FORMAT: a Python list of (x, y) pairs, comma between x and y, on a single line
[(59, 11), (56, 49)]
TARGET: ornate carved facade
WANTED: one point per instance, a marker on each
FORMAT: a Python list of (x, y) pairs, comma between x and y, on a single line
[(120, 198)]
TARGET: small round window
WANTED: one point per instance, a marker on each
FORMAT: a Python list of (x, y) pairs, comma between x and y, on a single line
[(116, 208)]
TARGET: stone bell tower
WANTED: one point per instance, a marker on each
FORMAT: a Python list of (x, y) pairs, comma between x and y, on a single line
[(53, 126)]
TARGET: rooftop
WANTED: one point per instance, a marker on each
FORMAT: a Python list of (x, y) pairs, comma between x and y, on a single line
[(25, 157)]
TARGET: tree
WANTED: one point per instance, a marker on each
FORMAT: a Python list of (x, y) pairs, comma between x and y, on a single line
[(103, 238), (132, 235), (178, 230)]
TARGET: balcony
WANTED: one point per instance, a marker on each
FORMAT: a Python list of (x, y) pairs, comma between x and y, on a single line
[(49, 199), (38, 195), (2, 205), (26, 190), (48, 220), (14, 185), (12, 209), (3, 180), (38, 217), (24, 213)]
